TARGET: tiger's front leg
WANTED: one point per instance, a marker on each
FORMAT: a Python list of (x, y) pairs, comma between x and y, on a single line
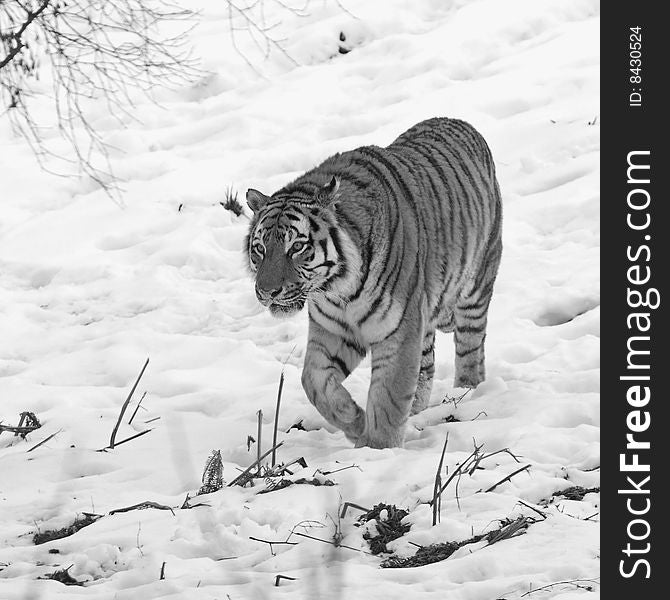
[(328, 361), (396, 362)]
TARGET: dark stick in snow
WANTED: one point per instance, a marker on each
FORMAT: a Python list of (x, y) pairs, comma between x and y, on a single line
[(508, 478), (259, 438), (274, 433), (252, 465), (130, 421), (44, 441), (125, 405)]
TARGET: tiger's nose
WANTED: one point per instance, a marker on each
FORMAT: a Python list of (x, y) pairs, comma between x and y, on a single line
[(266, 296)]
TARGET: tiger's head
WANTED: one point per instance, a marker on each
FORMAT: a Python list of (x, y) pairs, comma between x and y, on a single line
[(294, 247)]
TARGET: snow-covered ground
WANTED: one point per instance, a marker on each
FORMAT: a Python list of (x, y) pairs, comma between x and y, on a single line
[(89, 289)]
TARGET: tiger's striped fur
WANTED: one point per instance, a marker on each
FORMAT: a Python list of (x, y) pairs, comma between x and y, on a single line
[(385, 245)]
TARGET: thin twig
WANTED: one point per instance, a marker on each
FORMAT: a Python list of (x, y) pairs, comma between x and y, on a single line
[(537, 510), (44, 441), (459, 469), (279, 391), (141, 506), (574, 582), (130, 421), (279, 577), (510, 530), (338, 470), (438, 481), (125, 405), (259, 444), (137, 539), (162, 571), (21, 421), (456, 401), (23, 430), (30, 17), (251, 466), (332, 543), (269, 542), (128, 439), (347, 505), (508, 478), (272, 543), (274, 432)]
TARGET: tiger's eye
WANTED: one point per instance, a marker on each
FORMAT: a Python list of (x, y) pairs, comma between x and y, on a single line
[(297, 246)]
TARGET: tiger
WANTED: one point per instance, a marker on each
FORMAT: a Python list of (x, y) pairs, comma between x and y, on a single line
[(385, 246)]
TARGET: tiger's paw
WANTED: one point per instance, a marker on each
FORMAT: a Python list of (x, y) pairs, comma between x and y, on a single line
[(468, 380), (419, 404), (379, 440), (354, 431)]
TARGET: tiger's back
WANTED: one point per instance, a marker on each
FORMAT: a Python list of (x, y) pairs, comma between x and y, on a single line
[(414, 230)]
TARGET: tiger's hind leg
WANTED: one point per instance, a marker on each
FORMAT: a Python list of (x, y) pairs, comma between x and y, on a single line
[(470, 318), (328, 361), (426, 373)]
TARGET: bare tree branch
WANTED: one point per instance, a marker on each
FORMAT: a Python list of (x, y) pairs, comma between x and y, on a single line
[(16, 36), (112, 51)]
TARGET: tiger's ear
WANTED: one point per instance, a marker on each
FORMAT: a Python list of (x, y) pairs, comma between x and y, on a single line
[(256, 200), (328, 193)]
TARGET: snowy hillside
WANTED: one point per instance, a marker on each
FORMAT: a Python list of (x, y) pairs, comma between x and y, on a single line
[(90, 289)]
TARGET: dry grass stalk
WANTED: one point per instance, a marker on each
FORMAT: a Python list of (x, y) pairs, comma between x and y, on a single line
[(28, 422), (271, 543), (276, 423), (62, 576), (279, 391), (130, 421), (44, 441), (576, 492), (23, 431), (438, 552), (437, 502), (273, 486), (347, 505), (456, 400), (212, 476), (244, 475), (186, 504), (280, 577), (508, 478), (338, 470), (578, 583), (298, 426), (259, 445), (537, 510), (125, 405), (29, 419), (57, 534), (128, 439), (142, 506), (300, 461), (21, 421), (467, 467), (331, 542), (231, 202)]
